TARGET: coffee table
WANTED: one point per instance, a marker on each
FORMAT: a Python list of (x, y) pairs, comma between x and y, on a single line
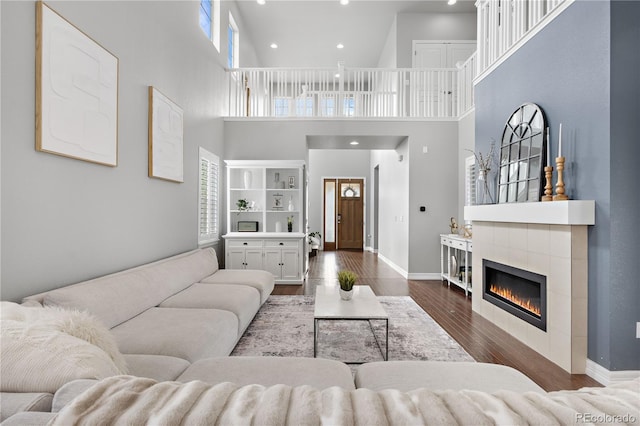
[(364, 306)]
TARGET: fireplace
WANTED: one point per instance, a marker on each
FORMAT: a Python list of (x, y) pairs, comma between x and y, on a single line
[(519, 292)]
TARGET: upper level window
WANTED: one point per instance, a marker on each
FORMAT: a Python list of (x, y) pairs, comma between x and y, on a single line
[(233, 44), (210, 20)]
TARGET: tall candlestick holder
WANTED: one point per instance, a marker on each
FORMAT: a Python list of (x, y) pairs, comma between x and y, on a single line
[(548, 188), (560, 195)]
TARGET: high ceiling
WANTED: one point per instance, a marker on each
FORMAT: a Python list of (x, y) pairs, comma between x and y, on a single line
[(308, 31)]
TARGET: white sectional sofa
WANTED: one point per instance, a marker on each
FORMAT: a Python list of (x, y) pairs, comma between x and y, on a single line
[(158, 336)]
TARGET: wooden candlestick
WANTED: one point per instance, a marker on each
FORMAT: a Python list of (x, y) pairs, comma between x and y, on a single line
[(560, 195), (548, 188)]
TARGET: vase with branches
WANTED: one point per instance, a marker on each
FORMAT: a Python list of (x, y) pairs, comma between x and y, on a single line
[(484, 183)]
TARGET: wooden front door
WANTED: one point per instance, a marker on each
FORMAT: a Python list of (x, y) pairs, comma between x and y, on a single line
[(350, 209)]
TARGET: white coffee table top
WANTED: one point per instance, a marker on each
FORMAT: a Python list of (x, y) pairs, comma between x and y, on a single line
[(363, 305)]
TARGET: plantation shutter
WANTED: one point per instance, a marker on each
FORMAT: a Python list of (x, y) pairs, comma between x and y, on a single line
[(208, 209), (470, 181)]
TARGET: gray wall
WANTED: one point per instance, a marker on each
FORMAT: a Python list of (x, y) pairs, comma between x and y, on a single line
[(431, 26), (336, 163), (625, 175), (65, 220), (566, 70)]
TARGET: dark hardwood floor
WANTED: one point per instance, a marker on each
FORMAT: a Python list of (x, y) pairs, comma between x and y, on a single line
[(484, 341)]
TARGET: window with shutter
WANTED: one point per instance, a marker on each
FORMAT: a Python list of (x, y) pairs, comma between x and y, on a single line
[(208, 220), (470, 181)]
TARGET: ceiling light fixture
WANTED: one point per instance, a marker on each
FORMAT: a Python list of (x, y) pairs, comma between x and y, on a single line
[(340, 46), (274, 46), (354, 143), (344, 2), (261, 1), (451, 2)]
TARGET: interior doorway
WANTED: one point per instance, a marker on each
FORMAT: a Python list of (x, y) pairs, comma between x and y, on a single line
[(343, 213)]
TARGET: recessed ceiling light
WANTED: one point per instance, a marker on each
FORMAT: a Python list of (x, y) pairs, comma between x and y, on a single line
[(354, 143), (451, 2), (344, 2), (340, 46), (274, 46), (261, 1)]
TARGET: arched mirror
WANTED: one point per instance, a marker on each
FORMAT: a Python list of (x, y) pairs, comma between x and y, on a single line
[(522, 155)]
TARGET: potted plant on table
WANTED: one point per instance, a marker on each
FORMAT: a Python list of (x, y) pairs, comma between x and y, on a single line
[(346, 279)]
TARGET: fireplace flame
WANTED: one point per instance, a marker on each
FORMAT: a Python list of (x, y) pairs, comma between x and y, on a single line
[(526, 304)]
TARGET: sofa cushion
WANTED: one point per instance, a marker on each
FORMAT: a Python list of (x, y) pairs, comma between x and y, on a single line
[(242, 300), (157, 367), (43, 348), (68, 391), (15, 402), (118, 297), (191, 334), (268, 371), (30, 418), (263, 281), (439, 375)]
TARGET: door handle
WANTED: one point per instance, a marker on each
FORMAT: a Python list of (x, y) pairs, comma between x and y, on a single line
[(339, 218)]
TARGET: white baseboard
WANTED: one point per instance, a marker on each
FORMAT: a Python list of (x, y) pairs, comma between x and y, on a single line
[(425, 276), (606, 377), (395, 267), (367, 248)]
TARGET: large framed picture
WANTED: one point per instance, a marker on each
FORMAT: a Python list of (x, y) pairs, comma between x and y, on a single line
[(76, 92), (165, 137)]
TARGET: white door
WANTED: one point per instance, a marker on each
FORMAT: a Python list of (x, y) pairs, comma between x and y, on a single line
[(290, 269), (435, 93), (272, 262), (253, 258)]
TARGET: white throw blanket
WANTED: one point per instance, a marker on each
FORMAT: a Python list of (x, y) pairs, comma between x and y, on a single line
[(126, 400)]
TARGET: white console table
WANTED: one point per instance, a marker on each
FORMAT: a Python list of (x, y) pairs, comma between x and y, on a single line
[(455, 245)]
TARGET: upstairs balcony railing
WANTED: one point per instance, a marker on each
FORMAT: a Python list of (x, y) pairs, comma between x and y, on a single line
[(411, 93), (504, 24)]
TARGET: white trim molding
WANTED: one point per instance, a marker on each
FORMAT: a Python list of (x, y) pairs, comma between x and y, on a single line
[(395, 267), (435, 276), (606, 377)]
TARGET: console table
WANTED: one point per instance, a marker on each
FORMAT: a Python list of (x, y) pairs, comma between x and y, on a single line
[(459, 247)]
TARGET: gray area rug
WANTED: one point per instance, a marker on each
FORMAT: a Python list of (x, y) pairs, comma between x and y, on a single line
[(284, 327)]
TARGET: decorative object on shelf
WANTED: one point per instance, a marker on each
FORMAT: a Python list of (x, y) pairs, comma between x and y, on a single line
[(453, 225), (290, 223), (548, 171), (277, 184), (453, 266), (292, 182), (277, 201), (522, 153), (485, 183), (243, 205), (465, 274), (560, 192), (76, 92), (346, 279), (290, 207), (278, 226), (467, 231), (247, 177)]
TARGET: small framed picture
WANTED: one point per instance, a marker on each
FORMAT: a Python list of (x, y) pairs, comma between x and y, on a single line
[(292, 182)]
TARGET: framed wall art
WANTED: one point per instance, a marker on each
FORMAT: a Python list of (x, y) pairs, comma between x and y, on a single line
[(76, 92), (165, 137)]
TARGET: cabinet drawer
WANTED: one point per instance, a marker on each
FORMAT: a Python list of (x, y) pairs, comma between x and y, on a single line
[(458, 244), (281, 243), (244, 243)]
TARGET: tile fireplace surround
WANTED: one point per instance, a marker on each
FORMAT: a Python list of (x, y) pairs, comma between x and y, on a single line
[(548, 238)]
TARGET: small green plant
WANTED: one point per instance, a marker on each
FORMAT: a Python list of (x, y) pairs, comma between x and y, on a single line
[(347, 279), (243, 204), (290, 220)]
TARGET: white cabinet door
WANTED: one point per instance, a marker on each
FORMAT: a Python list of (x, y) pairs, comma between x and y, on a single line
[(253, 258), (235, 258), (290, 269), (273, 262)]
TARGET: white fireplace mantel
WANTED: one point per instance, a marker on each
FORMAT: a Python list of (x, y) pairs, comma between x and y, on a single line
[(571, 212)]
